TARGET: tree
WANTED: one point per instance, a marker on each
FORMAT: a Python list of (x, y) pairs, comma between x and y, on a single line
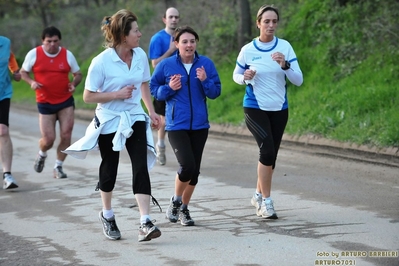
[(245, 23)]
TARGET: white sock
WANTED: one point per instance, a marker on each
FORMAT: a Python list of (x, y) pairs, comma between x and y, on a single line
[(42, 153), (144, 218), (258, 194), (58, 163), (267, 199), (108, 213), (161, 143)]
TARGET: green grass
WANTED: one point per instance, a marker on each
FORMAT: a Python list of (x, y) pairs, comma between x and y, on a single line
[(361, 108)]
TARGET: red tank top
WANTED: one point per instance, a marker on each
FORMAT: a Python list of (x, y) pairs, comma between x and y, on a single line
[(53, 74)]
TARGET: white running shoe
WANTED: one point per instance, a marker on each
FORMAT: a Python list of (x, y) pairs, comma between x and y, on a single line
[(256, 201), (9, 182), (161, 156), (266, 210)]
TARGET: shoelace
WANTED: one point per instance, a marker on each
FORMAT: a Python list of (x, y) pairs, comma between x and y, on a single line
[(269, 205), (186, 214), (149, 224), (174, 211), (59, 169), (114, 227), (176, 206), (41, 159), (155, 202)]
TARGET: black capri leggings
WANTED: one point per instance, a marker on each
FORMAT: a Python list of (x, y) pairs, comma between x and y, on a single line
[(267, 127), (136, 147), (188, 146), (5, 111)]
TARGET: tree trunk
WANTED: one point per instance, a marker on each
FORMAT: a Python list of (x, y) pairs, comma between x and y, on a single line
[(245, 27), (170, 3)]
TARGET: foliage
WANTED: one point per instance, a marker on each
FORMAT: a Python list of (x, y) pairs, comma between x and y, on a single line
[(346, 50)]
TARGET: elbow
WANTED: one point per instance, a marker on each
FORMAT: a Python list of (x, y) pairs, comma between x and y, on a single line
[(86, 100), (215, 94), (300, 82), (87, 96)]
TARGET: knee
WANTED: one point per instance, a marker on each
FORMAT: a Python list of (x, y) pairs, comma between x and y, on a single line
[(47, 141), (267, 158), (106, 183), (194, 180), (187, 172), (66, 136), (4, 130)]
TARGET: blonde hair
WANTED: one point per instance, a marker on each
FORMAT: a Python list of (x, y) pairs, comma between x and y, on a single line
[(117, 26)]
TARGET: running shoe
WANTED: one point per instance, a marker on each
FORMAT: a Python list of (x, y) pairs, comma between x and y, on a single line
[(59, 173), (39, 163), (148, 231), (161, 156), (9, 182), (266, 210), (172, 213), (110, 229), (256, 201), (185, 218)]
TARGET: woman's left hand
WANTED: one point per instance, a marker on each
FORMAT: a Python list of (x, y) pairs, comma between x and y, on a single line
[(155, 121), (201, 73)]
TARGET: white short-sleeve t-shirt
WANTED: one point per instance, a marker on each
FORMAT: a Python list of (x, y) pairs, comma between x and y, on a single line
[(107, 73)]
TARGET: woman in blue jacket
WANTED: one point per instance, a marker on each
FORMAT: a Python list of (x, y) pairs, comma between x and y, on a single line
[(185, 81)]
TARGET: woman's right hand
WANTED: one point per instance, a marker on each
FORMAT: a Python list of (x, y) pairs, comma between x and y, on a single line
[(175, 82), (126, 92), (249, 74)]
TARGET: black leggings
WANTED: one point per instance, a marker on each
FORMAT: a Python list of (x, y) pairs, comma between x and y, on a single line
[(188, 146), (136, 147), (267, 127)]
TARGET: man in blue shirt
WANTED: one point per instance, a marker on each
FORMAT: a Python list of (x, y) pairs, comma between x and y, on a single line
[(162, 46)]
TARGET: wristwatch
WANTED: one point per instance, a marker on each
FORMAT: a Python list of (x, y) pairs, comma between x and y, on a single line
[(287, 65)]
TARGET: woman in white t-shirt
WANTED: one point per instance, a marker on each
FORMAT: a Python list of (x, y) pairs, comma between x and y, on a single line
[(117, 81), (263, 65)]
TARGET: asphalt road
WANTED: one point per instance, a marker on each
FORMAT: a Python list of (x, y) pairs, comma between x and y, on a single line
[(333, 206)]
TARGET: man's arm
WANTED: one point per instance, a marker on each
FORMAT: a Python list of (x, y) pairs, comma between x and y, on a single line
[(77, 78), (169, 52), (14, 68), (26, 68), (26, 77)]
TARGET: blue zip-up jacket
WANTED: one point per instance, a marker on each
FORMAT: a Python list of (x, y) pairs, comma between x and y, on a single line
[(186, 108)]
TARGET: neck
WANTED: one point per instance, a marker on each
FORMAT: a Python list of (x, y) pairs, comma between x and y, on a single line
[(170, 31), (124, 53), (267, 38), (187, 60)]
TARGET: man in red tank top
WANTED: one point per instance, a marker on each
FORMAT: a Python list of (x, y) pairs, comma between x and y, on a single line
[(51, 66)]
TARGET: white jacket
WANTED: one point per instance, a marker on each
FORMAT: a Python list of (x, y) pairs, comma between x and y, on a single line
[(89, 141)]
